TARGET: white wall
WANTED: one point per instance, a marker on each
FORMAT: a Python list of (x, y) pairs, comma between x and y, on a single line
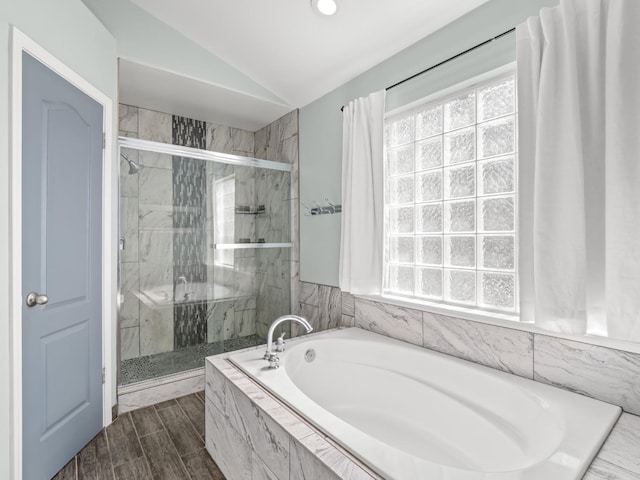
[(68, 30)]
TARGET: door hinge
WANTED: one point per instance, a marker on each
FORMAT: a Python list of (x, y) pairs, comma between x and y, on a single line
[(104, 373), (104, 140)]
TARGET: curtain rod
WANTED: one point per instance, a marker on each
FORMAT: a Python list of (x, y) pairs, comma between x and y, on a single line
[(482, 44)]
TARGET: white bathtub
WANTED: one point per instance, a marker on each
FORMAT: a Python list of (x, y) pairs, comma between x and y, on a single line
[(410, 413)]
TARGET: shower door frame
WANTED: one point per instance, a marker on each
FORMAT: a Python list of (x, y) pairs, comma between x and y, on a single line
[(198, 154)]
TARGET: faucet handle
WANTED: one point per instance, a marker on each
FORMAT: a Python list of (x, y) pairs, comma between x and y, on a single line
[(280, 342), (274, 361)]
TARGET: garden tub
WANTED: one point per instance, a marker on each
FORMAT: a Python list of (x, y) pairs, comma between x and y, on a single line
[(410, 413)]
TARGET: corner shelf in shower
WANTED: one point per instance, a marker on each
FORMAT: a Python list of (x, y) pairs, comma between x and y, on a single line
[(250, 210), (238, 246)]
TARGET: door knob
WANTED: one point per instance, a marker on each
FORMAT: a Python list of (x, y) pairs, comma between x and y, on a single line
[(34, 299)]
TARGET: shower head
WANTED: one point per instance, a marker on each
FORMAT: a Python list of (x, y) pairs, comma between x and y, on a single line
[(133, 166)]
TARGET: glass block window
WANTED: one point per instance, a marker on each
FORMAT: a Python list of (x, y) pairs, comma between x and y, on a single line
[(451, 205)]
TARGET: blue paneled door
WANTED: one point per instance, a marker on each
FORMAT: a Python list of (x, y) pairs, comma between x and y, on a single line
[(62, 144)]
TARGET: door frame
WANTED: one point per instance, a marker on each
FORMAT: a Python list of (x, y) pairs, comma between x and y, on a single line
[(22, 43)]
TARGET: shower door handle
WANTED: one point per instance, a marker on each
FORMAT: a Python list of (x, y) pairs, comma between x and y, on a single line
[(34, 299)]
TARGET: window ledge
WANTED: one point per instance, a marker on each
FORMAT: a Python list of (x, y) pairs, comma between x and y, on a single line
[(501, 320), (448, 310)]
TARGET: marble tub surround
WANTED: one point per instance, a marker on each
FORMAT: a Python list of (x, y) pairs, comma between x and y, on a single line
[(601, 470), (619, 457), (410, 441), (348, 309), (309, 294), (321, 305), (348, 304), (606, 374), (390, 320), (313, 455), (251, 435), (599, 372), (501, 348)]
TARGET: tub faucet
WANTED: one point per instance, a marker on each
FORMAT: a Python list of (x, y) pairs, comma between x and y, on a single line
[(181, 281), (274, 361)]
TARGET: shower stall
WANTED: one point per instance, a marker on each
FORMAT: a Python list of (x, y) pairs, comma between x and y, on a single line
[(204, 264)]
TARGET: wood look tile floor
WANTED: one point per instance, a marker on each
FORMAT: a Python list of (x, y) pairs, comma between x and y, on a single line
[(161, 442)]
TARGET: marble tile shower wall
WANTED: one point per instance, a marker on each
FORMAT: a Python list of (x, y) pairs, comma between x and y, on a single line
[(234, 318), (603, 373), (161, 218), (277, 269)]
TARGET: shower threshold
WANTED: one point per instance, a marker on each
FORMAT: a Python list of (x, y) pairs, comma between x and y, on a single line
[(139, 369)]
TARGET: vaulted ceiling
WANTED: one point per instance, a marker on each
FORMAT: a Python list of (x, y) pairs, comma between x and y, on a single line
[(245, 63), (293, 51)]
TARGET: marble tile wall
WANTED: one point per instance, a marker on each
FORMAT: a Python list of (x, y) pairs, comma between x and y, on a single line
[(129, 260), (150, 239), (232, 320), (402, 323), (606, 374), (154, 237), (603, 373), (245, 261), (278, 269), (502, 348), (156, 330), (348, 310), (323, 306)]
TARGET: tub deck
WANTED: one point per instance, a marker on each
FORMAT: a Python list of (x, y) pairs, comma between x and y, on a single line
[(243, 417)]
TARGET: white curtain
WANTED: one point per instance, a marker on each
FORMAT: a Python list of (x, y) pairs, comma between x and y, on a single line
[(361, 238), (579, 149)]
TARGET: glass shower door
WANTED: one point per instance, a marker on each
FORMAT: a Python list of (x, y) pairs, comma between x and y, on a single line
[(204, 259)]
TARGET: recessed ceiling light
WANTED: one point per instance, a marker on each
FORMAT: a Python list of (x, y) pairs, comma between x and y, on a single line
[(325, 7)]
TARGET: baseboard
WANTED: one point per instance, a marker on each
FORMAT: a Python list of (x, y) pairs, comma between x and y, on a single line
[(150, 392)]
